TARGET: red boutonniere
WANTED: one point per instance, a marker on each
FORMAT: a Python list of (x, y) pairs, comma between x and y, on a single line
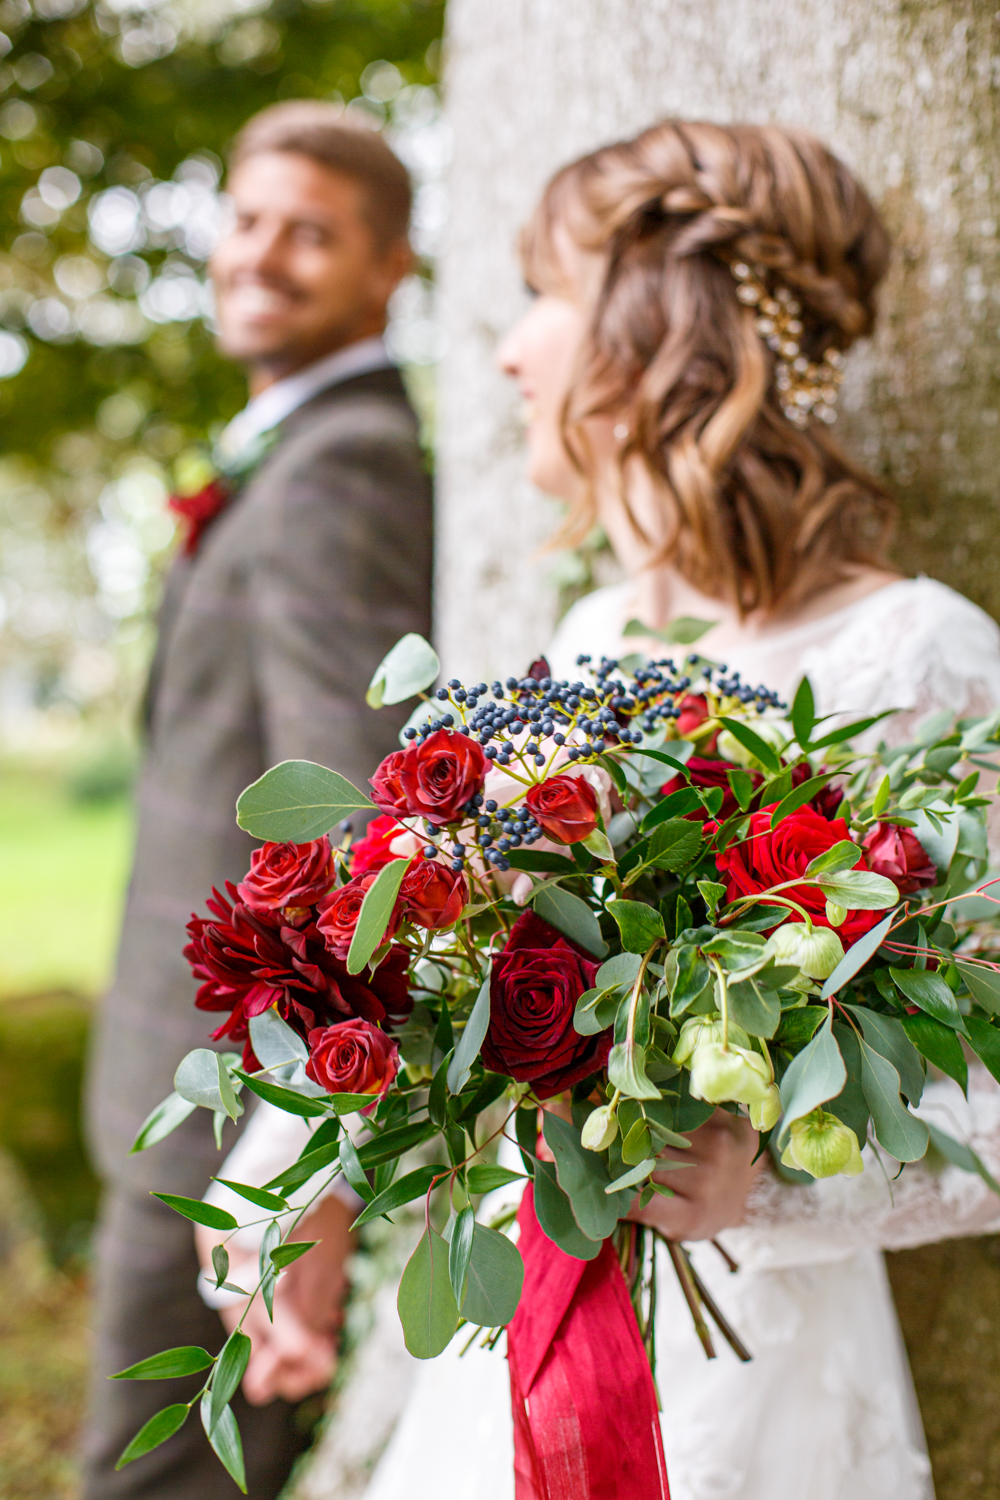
[(201, 508)]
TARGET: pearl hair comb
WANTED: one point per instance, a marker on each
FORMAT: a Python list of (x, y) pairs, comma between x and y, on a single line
[(805, 389)]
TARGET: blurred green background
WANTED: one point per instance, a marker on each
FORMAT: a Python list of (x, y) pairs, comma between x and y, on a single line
[(114, 123)]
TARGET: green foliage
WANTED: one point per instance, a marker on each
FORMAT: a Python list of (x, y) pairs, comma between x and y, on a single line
[(375, 914), (902, 1134), (156, 1431), (815, 1075), (296, 801), (411, 666), (640, 925), (494, 1280), (185, 1360), (583, 1177), (572, 916), (426, 1303), (555, 1215), (201, 1213)]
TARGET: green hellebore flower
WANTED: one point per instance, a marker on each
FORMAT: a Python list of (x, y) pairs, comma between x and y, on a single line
[(600, 1129), (723, 1075), (822, 1146), (765, 1113), (816, 950)]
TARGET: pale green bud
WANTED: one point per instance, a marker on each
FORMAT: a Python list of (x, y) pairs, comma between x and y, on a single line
[(817, 951), (722, 1075), (822, 1146), (696, 1029), (765, 1113), (835, 914), (600, 1129)]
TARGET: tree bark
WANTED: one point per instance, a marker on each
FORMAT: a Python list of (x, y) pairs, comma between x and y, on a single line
[(905, 91)]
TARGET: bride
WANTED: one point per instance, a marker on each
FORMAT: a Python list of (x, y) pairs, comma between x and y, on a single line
[(694, 290)]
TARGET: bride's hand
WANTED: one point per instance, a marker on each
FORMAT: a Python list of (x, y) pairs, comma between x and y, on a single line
[(710, 1193), (297, 1353)]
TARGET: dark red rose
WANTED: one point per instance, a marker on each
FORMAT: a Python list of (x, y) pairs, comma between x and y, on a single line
[(535, 984), (694, 711), (432, 895), (768, 856), (370, 853), (441, 774), (287, 875), (248, 961), (899, 855), (199, 510), (352, 1057), (539, 670), (339, 913), (707, 774), (387, 789), (566, 807)]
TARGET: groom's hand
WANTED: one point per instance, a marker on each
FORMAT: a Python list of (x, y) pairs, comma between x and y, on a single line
[(711, 1188), (296, 1354)]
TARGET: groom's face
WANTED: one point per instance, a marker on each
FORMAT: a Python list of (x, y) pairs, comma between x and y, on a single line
[(301, 273)]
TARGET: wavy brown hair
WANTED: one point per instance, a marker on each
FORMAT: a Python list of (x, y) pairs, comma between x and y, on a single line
[(758, 511)]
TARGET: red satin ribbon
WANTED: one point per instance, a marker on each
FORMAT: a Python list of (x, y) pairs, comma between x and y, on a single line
[(586, 1424)]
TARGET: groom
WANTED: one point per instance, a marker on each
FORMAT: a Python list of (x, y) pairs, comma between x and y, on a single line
[(302, 565)]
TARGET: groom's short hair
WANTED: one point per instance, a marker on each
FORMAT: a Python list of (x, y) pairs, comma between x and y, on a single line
[(311, 127)]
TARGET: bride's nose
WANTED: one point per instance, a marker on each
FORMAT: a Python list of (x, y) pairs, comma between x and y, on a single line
[(508, 354)]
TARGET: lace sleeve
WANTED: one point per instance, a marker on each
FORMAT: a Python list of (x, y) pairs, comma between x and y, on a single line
[(788, 1224)]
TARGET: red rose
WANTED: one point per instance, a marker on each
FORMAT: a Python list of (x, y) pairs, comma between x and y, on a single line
[(768, 856), (352, 1057), (694, 711), (287, 875), (387, 789), (535, 984), (339, 915), (432, 895), (566, 807), (707, 774), (899, 855), (370, 853), (440, 775)]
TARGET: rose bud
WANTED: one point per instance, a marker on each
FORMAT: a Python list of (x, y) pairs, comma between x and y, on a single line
[(765, 1113), (566, 807), (339, 915), (820, 1145), (600, 1129), (816, 950), (374, 850), (899, 855), (387, 789), (722, 1075), (432, 895), (352, 1057), (439, 776), (287, 875)]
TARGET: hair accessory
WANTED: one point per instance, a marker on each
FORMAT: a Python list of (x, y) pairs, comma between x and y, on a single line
[(804, 389)]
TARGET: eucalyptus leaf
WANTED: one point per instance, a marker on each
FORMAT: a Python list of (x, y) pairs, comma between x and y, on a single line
[(411, 666), (460, 1251), (856, 957), (274, 1041), (811, 1078), (583, 1177), (571, 916), (197, 1079), (555, 1215), (900, 1132), (940, 1045), (159, 1123), (496, 1275), (983, 985), (425, 1301), (375, 914), (471, 1040), (961, 1156), (414, 1185), (925, 988), (858, 890), (297, 801)]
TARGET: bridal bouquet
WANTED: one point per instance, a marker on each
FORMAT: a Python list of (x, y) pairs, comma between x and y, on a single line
[(631, 898)]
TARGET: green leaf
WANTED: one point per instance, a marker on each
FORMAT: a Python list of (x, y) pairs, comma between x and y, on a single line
[(201, 1213), (882, 795), (229, 1372), (349, 1104), (540, 862), (161, 1121), (595, 1011), (814, 1076), (803, 713), (413, 1185), (799, 796), (691, 977), (199, 1080), (640, 925), (289, 1252), (486, 1178), (711, 893), (856, 957), (674, 844), (256, 1195), (471, 1040), (849, 731), (156, 1431), (375, 914), (627, 1071), (858, 890), (685, 799), (270, 1240), (759, 749), (426, 1303), (902, 1134), (460, 1250), (940, 1045), (983, 985), (495, 1278), (637, 1143), (407, 669), (742, 785), (927, 989), (224, 1437), (842, 856), (961, 1156), (220, 1263), (736, 951), (683, 631), (353, 1170), (635, 1175), (393, 1143), (583, 1177), (286, 1099), (985, 1042), (616, 773), (571, 916), (892, 1039), (799, 1025), (555, 1215), (184, 1360), (274, 1041), (755, 1009), (297, 801)]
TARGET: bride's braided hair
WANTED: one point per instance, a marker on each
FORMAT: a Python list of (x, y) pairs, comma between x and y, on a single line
[(758, 510)]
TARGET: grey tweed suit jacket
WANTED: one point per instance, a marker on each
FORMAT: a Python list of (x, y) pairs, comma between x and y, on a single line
[(268, 639)]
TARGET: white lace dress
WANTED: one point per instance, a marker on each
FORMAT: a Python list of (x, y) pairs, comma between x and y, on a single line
[(826, 1409)]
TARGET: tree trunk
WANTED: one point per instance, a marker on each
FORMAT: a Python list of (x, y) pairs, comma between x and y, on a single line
[(905, 90)]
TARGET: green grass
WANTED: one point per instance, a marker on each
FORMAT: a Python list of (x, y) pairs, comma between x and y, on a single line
[(63, 868)]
